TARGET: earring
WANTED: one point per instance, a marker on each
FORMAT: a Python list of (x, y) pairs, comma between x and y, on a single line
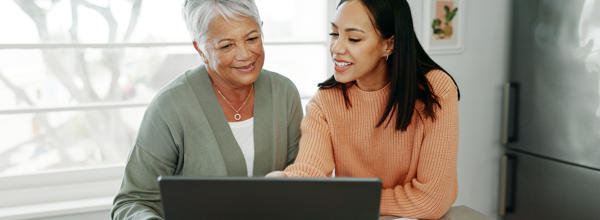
[(386, 57)]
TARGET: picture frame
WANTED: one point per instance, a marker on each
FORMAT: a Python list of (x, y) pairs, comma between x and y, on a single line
[(444, 26)]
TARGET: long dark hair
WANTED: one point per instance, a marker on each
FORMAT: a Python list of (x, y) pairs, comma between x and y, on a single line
[(407, 65)]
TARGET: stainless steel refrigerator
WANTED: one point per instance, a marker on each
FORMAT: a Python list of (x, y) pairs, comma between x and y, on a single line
[(551, 123)]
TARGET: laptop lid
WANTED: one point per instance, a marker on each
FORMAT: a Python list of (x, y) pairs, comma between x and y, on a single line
[(269, 198)]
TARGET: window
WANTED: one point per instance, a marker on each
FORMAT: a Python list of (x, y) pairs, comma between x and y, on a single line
[(76, 76)]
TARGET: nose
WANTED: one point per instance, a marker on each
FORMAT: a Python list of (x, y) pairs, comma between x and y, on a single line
[(337, 47), (243, 52)]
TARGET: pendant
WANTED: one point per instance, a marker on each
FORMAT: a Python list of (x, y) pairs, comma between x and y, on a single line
[(237, 116)]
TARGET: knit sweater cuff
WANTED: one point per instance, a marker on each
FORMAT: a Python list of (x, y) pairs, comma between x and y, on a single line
[(303, 170)]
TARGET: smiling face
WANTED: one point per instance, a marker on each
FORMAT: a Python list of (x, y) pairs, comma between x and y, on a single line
[(234, 51), (357, 48)]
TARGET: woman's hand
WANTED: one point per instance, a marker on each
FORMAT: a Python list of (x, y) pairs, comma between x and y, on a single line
[(276, 174)]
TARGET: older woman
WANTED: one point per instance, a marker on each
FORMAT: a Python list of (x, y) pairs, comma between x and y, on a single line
[(225, 118)]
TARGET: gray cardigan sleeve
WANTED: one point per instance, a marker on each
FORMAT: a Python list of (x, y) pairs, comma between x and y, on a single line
[(154, 154)]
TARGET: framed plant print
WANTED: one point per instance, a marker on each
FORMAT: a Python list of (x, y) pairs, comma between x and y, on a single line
[(444, 26)]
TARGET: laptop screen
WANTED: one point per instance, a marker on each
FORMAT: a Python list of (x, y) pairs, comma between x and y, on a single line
[(269, 198)]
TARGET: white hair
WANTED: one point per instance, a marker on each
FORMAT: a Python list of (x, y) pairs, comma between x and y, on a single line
[(199, 13)]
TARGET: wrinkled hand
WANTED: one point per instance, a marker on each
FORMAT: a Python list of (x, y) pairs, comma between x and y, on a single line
[(276, 174)]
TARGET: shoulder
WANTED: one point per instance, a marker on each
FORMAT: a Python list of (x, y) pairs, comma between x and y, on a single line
[(441, 83), (330, 98), (335, 95), (175, 86), (328, 94)]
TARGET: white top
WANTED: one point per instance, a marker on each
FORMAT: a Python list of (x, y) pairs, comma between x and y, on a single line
[(243, 132)]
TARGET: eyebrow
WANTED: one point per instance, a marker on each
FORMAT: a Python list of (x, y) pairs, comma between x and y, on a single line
[(229, 39), (348, 29)]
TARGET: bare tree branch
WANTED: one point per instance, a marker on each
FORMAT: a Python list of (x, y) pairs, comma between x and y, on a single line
[(100, 123), (37, 15), (133, 18), (20, 93), (82, 69), (41, 119), (108, 16)]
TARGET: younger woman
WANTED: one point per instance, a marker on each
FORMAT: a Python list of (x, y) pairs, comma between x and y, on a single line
[(388, 112)]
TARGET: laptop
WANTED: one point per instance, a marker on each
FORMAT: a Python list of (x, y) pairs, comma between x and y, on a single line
[(269, 198)]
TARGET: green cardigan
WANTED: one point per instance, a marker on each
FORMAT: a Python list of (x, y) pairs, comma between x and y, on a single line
[(184, 132)]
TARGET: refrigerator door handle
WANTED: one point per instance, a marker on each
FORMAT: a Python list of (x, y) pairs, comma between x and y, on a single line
[(510, 119), (507, 183), (502, 208)]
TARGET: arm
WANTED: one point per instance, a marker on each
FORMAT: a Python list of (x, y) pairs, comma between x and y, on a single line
[(295, 115), (431, 193), (315, 157), (154, 154)]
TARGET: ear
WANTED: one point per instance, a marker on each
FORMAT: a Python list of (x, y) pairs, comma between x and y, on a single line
[(389, 45), (200, 52)]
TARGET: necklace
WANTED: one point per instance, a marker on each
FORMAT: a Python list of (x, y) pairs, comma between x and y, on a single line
[(237, 115)]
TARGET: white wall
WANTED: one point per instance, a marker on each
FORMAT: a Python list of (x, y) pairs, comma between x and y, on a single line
[(480, 72)]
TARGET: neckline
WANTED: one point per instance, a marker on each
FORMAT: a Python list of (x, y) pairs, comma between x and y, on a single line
[(385, 89), (241, 123)]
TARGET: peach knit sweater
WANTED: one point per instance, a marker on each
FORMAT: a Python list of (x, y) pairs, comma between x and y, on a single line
[(417, 167)]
